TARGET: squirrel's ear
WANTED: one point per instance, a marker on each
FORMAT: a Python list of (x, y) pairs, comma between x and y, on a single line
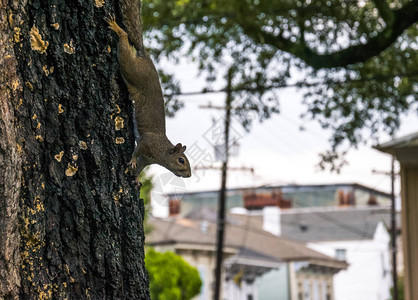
[(183, 148), (175, 149)]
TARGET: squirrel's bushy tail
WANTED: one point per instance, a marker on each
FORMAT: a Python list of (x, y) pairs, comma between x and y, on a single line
[(131, 13)]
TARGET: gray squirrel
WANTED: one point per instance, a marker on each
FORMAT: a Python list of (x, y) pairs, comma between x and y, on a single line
[(141, 78)]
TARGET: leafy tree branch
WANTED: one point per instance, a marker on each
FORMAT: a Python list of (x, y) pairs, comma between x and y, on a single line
[(359, 57)]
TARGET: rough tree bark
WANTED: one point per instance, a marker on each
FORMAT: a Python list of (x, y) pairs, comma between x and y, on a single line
[(70, 217), (10, 170)]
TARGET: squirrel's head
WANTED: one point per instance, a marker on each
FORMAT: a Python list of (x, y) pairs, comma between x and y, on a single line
[(178, 162)]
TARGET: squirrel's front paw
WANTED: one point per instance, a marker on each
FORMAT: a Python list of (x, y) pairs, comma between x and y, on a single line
[(132, 164), (137, 183)]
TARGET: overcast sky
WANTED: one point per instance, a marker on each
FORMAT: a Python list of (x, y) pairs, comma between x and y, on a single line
[(277, 150)]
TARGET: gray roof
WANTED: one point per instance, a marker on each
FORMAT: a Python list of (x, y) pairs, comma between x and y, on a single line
[(410, 140), (334, 225), (286, 188), (247, 240)]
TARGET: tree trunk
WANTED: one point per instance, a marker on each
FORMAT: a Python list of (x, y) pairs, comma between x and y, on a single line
[(70, 218)]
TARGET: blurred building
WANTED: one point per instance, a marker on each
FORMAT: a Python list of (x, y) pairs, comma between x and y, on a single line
[(344, 221), (287, 196), (257, 264), (358, 236)]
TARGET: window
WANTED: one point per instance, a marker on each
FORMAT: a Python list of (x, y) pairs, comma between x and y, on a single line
[(306, 290), (324, 290), (315, 290), (341, 254)]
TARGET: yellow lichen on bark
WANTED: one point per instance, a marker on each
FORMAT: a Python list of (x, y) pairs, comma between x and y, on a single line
[(19, 149), (118, 123), (82, 145), (99, 3), (58, 157), (69, 48), (116, 197), (46, 71), (71, 170), (120, 140), (11, 21), (19, 104), (15, 84), (29, 85), (17, 34), (39, 205), (33, 243), (36, 41)]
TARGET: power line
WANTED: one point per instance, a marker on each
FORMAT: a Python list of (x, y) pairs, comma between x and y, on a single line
[(249, 169), (276, 133), (300, 84)]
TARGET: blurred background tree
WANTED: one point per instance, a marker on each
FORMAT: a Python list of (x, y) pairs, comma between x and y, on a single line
[(145, 195), (171, 277), (356, 60), (401, 290)]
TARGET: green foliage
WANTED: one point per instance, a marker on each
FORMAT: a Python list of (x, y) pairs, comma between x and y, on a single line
[(372, 95), (359, 58), (171, 278), (146, 197), (401, 289)]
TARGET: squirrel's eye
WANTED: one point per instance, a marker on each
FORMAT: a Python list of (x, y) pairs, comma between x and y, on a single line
[(181, 160)]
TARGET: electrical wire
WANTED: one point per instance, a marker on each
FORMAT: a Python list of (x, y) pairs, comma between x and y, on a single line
[(300, 84)]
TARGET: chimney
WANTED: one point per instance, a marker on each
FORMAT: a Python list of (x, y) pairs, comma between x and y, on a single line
[(271, 220), (174, 207)]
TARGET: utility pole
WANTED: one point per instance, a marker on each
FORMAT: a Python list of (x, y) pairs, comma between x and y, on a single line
[(222, 193), (393, 219), (393, 227)]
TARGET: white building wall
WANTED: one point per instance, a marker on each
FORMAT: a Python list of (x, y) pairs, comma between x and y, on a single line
[(368, 276)]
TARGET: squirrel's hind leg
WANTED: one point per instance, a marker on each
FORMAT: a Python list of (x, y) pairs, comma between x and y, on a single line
[(135, 156), (115, 27), (130, 64)]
